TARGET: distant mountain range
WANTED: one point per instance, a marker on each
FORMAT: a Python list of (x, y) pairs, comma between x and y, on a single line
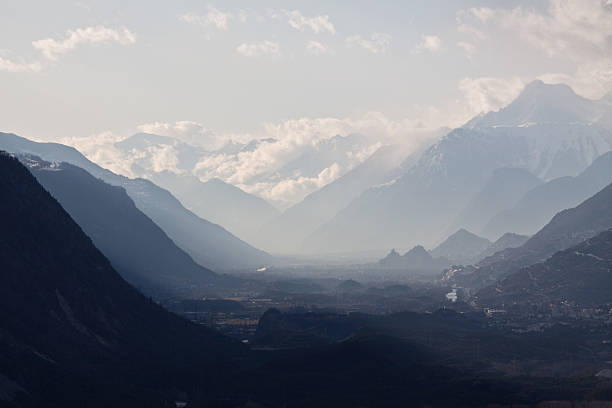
[(416, 259), (240, 213), (568, 228), (548, 131), (461, 247), (138, 249), (299, 221), (501, 192), (540, 204), (508, 240), (210, 245)]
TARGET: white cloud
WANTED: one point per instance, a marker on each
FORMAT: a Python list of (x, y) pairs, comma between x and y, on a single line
[(258, 49), (292, 190), (486, 94), (430, 43), (186, 131), (53, 48), (482, 13), (469, 48), (260, 170), (573, 28), (12, 66), (591, 79), (578, 33), (214, 17), (243, 16), (316, 48), (378, 43), (476, 34), (100, 149), (318, 24)]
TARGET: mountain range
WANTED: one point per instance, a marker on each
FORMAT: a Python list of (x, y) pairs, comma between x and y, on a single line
[(416, 259), (538, 205), (136, 247), (461, 247), (72, 331), (240, 213), (299, 221), (580, 275), (567, 228), (548, 131), (210, 245)]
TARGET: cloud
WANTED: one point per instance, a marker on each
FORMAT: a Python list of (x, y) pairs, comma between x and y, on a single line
[(377, 44), (318, 24), (262, 168), (288, 191), (316, 48), (577, 33), (487, 94), (100, 148), (591, 79), (469, 48), (186, 131), (430, 43), (258, 49), (573, 28), (214, 17), (12, 66), (482, 13), (53, 48)]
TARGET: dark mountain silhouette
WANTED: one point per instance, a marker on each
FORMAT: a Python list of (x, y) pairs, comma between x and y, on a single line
[(566, 229), (461, 247), (581, 274), (210, 245), (508, 240), (540, 204), (417, 258), (138, 249), (72, 331)]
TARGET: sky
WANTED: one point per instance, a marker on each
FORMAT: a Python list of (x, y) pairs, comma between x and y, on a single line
[(92, 72)]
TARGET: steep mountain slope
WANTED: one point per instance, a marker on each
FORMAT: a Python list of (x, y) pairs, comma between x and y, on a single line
[(421, 205), (72, 331), (581, 274), (208, 244), (508, 240), (241, 213), (416, 259), (501, 192), (461, 247), (138, 249), (299, 221), (541, 203), (566, 229)]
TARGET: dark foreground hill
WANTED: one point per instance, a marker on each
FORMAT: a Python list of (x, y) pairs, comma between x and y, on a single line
[(580, 275), (138, 249), (72, 331)]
